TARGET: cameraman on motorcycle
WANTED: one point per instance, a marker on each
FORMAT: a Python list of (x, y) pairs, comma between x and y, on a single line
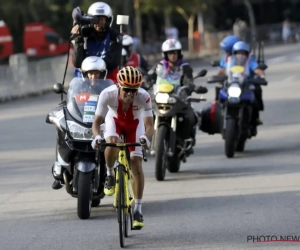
[(93, 69), (173, 62), (133, 59), (102, 42), (242, 50)]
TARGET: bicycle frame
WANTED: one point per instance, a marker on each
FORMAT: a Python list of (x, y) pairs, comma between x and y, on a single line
[(122, 159)]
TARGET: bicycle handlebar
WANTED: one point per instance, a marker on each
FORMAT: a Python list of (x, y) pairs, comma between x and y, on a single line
[(121, 145)]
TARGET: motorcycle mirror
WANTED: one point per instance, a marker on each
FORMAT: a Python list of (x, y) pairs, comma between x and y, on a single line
[(259, 81), (216, 79), (58, 88), (201, 90), (202, 73), (262, 66), (215, 63)]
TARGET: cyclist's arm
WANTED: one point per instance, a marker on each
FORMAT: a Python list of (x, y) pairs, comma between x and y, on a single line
[(100, 113), (149, 128), (148, 117), (96, 125)]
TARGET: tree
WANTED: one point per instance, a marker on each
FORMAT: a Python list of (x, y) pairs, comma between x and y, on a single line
[(166, 6), (138, 21), (189, 10)]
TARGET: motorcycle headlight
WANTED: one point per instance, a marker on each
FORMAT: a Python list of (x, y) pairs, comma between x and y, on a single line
[(234, 91), (78, 132), (162, 98)]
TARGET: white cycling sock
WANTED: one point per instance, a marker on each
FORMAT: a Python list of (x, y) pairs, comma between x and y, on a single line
[(110, 171), (138, 205)]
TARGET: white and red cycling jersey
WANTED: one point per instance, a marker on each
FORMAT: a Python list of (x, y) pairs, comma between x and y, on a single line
[(117, 121)]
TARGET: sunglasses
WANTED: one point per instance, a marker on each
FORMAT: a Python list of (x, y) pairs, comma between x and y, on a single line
[(127, 90)]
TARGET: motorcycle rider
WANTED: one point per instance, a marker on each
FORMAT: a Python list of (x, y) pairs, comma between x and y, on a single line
[(172, 61), (125, 108), (104, 42), (242, 51), (133, 59), (226, 45), (93, 68)]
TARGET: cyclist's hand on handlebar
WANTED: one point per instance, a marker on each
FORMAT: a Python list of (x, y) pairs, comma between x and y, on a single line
[(145, 143), (96, 142)]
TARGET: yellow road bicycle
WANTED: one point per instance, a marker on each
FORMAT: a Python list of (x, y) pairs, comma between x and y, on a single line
[(123, 197)]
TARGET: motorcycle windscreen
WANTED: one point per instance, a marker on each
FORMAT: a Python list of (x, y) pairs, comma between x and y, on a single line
[(237, 68), (166, 80), (83, 97)]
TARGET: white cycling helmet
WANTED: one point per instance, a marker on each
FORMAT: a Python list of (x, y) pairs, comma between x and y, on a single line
[(94, 63), (171, 45), (101, 9), (127, 40)]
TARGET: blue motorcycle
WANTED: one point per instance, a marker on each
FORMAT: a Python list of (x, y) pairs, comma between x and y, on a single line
[(237, 100)]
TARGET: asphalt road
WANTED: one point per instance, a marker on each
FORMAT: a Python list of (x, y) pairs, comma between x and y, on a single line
[(212, 203)]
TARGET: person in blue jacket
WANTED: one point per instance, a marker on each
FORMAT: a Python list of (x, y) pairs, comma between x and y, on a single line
[(226, 45), (103, 42)]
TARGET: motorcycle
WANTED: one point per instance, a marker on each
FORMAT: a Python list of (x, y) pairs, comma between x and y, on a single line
[(173, 115), (83, 177), (236, 98)]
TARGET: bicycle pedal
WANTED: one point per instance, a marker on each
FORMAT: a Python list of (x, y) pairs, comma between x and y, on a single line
[(136, 228)]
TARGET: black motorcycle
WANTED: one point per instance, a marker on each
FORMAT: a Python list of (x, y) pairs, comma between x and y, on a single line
[(237, 100), (83, 177), (174, 121)]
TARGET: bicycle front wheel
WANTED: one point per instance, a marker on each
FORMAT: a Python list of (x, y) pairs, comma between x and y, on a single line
[(121, 206)]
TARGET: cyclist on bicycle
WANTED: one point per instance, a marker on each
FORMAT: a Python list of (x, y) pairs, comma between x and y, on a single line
[(125, 108)]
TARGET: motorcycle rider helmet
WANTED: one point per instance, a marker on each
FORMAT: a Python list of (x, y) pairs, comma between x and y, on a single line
[(94, 63), (102, 9), (227, 43), (171, 45), (129, 77), (241, 46), (127, 44)]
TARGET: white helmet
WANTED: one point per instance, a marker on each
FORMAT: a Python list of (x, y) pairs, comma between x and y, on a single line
[(101, 9), (127, 40), (171, 45), (93, 63), (124, 53)]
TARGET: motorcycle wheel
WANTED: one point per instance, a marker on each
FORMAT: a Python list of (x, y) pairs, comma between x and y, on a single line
[(84, 200), (161, 156), (230, 137), (174, 163)]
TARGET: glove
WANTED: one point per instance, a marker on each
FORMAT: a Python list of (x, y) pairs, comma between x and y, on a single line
[(97, 138), (145, 143)]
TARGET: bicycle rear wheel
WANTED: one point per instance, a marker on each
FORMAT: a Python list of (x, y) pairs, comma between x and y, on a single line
[(121, 207)]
